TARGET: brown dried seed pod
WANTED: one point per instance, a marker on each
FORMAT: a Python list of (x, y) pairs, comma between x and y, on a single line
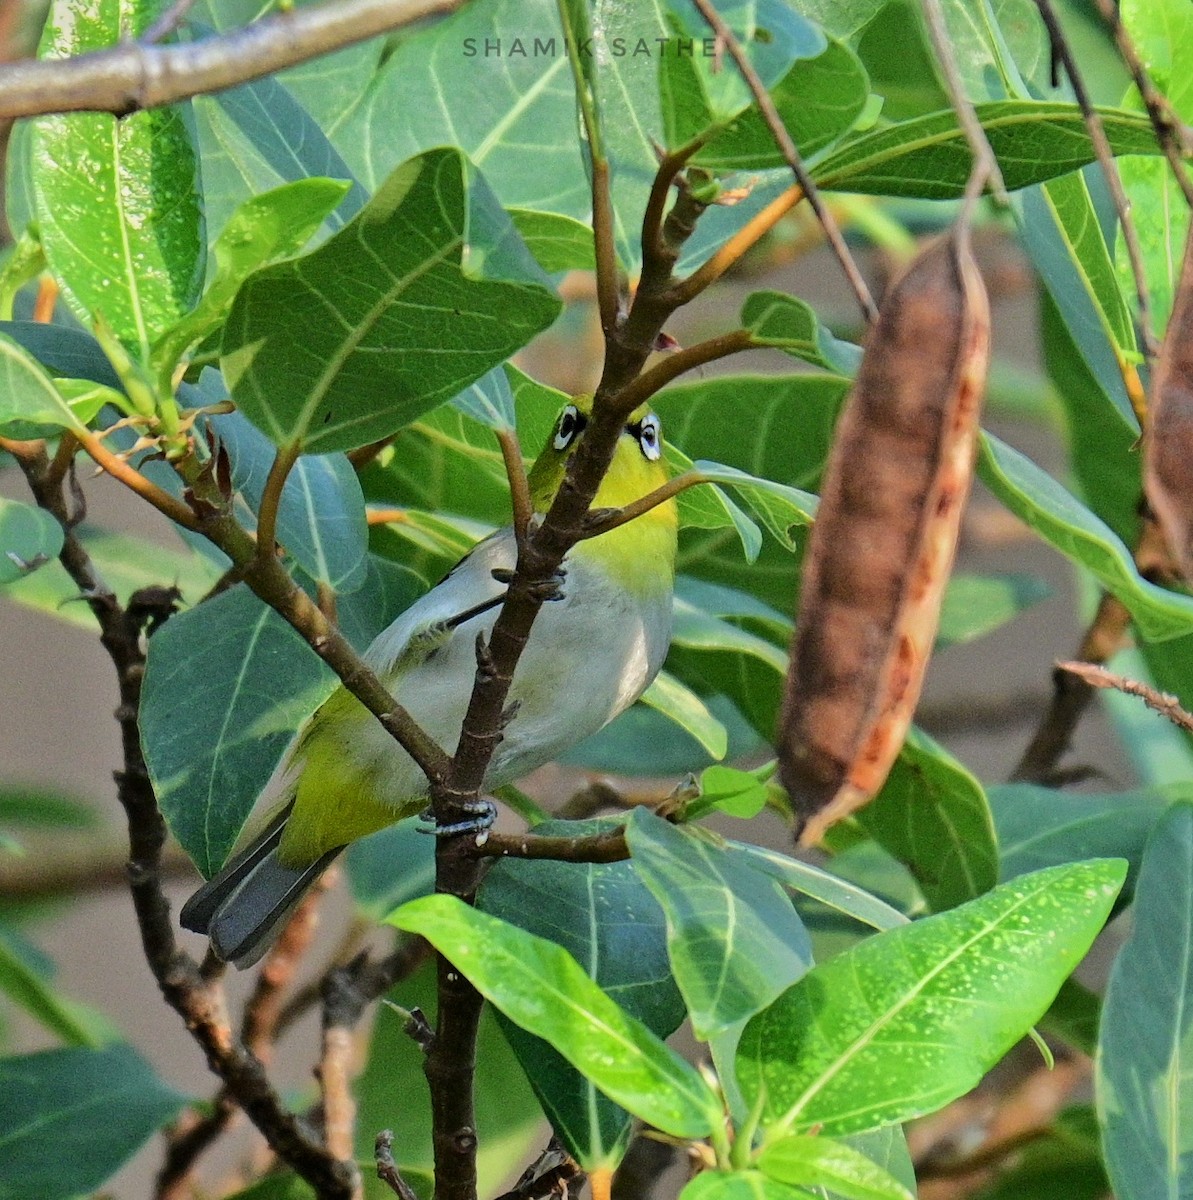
[(883, 543), (1168, 442)]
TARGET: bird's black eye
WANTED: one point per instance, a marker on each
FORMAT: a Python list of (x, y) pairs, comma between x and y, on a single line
[(571, 422), (649, 437)]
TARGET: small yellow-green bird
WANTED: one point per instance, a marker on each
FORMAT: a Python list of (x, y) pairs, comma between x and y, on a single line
[(591, 654)]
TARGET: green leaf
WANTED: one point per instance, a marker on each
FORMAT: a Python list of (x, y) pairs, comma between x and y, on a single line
[(1060, 231), (368, 310), (1038, 500), (1042, 827), (779, 507), (36, 808), (28, 989), (791, 325), (928, 157), (226, 685), (29, 538), (71, 1117), (975, 605), (910, 1019), (63, 351), (284, 1186), (542, 988), (262, 229), (118, 200), (740, 1185), (822, 1162), (489, 401), (321, 517), (1144, 1083), (558, 242), (604, 916), (830, 890), (748, 422), (733, 935), (390, 867), (932, 815), (740, 794), (680, 704), (30, 404)]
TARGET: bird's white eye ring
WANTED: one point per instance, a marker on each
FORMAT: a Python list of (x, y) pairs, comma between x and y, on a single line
[(570, 423), (648, 437)]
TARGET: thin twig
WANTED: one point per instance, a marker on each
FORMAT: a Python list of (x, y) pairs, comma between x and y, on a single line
[(679, 362), (387, 1169), (1097, 136), (670, 166), (553, 1173), (167, 23), (134, 76), (732, 251), (132, 479), (271, 498), (601, 520), (1170, 130), (985, 163), (791, 155), (197, 999), (1161, 702), (1071, 695), (596, 848), (515, 471)]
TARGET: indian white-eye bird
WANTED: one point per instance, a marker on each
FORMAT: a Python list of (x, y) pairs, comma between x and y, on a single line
[(592, 652)]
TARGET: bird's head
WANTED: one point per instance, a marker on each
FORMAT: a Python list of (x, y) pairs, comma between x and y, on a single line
[(636, 469), (641, 550)]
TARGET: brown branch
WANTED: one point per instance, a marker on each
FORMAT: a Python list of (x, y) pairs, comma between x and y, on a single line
[(132, 479), (196, 999), (1161, 702), (681, 361), (604, 247), (596, 848), (553, 1173), (1170, 130), (791, 155), (670, 166), (515, 471), (1097, 135), (601, 520), (134, 76), (186, 1141), (387, 1169), (731, 252), (1071, 695), (271, 499)]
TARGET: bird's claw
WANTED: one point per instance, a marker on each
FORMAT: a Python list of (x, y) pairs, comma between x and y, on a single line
[(482, 814)]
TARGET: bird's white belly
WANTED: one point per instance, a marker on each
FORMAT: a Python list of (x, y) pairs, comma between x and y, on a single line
[(589, 656)]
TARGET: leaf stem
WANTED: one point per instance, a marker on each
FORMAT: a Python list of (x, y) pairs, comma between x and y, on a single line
[(271, 498)]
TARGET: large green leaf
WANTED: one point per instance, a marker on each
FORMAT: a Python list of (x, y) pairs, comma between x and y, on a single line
[(910, 1019), (734, 939), (740, 1185), (1037, 499), (423, 292), (542, 988), (226, 686), (118, 201), (71, 1117), (929, 157), (817, 1161), (262, 229), (932, 815), (603, 915), (30, 404), (1145, 1084), (1042, 827)]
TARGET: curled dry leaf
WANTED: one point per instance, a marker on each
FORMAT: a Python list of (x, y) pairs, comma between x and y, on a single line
[(885, 534), (1168, 443)]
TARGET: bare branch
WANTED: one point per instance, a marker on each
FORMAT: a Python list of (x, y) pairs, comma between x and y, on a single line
[(135, 76), (597, 848), (1166, 705)]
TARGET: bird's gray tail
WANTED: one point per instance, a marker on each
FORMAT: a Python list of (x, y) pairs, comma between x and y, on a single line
[(244, 906)]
